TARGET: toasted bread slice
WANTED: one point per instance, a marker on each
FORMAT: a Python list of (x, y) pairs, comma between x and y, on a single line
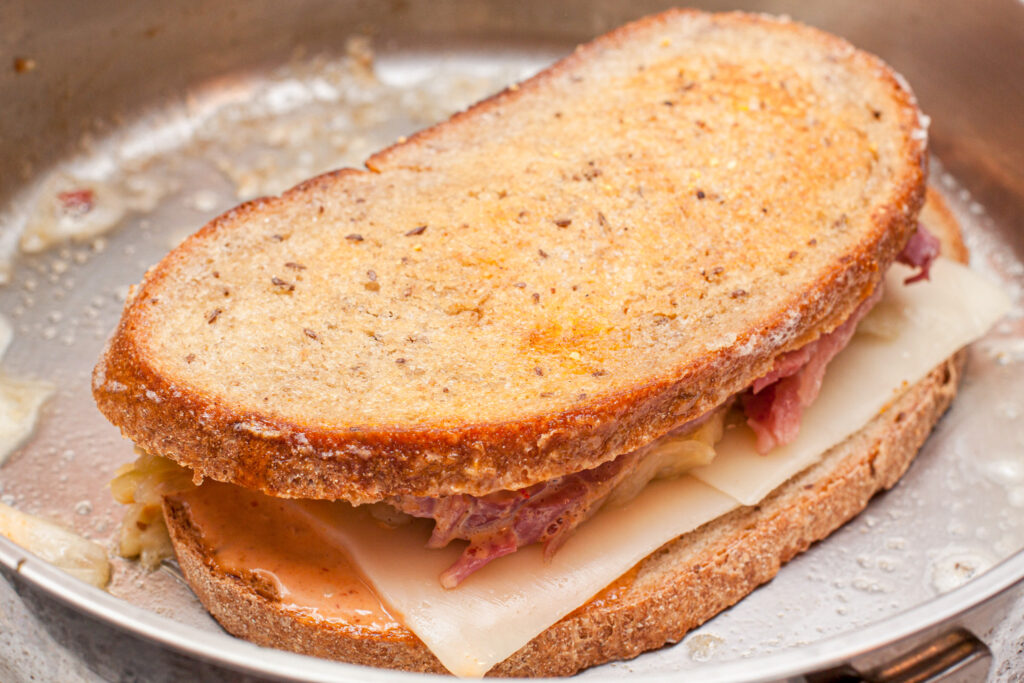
[(546, 281), (672, 591)]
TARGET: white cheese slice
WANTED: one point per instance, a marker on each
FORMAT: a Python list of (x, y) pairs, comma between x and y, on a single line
[(925, 323), (502, 607), (506, 604)]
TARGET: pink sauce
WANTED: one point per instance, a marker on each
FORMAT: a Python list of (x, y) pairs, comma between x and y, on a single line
[(260, 539)]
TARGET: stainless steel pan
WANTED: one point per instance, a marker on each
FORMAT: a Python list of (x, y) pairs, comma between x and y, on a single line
[(182, 109)]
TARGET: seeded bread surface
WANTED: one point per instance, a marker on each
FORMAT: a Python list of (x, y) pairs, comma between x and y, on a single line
[(552, 278)]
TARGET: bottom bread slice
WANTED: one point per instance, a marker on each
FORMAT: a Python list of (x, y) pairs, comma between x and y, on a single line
[(673, 590)]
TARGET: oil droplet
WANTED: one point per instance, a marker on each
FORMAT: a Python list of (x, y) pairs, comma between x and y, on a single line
[(1005, 471), (701, 647), (952, 571)]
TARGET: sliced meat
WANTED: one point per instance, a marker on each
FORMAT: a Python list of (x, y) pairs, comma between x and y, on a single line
[(499, 523), (548, 512), (919, 252), (775, 403)]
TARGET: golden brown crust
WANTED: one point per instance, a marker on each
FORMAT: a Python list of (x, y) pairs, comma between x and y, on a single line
[(295, 455), (672, 591)]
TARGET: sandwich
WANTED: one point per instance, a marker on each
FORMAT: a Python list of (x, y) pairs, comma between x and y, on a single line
[(557, 380)]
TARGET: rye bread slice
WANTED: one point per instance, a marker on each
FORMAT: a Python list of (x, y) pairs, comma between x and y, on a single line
[(552, 278)]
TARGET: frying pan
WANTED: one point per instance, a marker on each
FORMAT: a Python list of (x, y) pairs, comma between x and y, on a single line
[(183, 109)]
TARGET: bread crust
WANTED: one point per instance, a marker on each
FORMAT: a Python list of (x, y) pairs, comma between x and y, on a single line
[(674, 590), (290, 457)]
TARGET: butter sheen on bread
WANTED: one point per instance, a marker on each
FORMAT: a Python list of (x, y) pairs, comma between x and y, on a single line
[(552, 278)]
